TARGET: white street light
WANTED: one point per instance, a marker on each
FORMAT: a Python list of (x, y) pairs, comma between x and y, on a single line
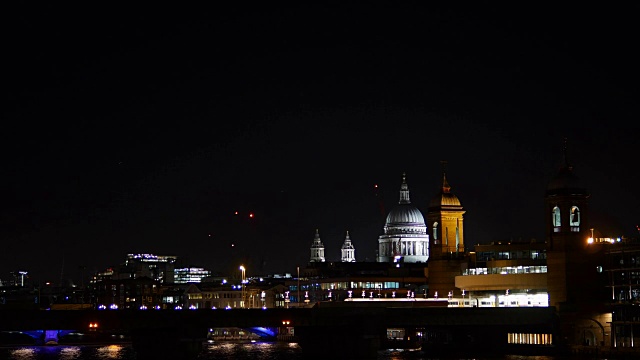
[(242, 286)]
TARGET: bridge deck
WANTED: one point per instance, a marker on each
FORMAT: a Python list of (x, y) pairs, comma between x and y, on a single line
[(322, 316)]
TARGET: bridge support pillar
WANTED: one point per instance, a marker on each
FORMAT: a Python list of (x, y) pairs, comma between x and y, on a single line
[(167, 343), (50, 337)]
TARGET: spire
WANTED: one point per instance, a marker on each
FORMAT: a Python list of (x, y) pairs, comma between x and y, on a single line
[(347, 242), (565, 180), (316, 239), (404, 191), (565, 157), (446, 188)]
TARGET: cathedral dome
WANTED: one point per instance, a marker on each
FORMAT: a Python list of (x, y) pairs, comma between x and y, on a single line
[(405, 214), (405, 232)]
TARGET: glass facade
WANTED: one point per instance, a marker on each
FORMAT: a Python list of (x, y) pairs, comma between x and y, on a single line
[(190, 275), (506, 270)]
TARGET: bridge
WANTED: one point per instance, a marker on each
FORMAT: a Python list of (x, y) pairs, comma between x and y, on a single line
[(358, 330)]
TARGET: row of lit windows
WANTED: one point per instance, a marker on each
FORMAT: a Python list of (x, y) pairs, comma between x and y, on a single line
[(190, 275), (533, 339), (507, 270), (360, 285), (516, 301), (147, 299), (511, 255), (303, 287)]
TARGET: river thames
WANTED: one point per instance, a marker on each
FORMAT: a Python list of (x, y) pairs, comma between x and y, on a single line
[(220, 350)]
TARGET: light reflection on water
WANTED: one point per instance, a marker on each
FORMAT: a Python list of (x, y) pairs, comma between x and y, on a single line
[(110, 352), (67, 352), (217, 350), (23, 354), (70, 353), (257, 350)]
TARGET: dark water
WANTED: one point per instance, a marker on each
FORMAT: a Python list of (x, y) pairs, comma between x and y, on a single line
[(224, 350)]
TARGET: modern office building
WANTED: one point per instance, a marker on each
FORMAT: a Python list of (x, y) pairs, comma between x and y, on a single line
[(132, 293), (623, 288), (509, 273), (157, 267), (190, 275)]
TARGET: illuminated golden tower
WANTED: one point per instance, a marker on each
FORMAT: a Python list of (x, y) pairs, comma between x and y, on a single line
[(446, 242), (445, 221)]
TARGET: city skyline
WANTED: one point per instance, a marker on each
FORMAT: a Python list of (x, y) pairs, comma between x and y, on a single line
[(145, 130)]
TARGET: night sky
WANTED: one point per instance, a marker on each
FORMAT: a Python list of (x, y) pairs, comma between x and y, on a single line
[(143, 129)]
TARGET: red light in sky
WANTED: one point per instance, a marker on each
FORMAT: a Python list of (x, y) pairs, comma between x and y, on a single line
[(236, 213), (375, 186), (251, 215)]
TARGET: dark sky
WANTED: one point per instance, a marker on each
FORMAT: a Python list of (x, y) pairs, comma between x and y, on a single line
[(142, 129)]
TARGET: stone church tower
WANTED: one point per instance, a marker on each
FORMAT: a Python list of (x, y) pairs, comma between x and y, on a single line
[(572, 263), (348, 252), (317, 249), (445, 218), (447, 253)]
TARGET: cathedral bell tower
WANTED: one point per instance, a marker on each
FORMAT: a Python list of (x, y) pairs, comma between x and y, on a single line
[(348, 251), (572, 262), (317, 249)]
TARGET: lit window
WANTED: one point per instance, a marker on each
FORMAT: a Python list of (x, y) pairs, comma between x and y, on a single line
[(556, 216), (574, 218)]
